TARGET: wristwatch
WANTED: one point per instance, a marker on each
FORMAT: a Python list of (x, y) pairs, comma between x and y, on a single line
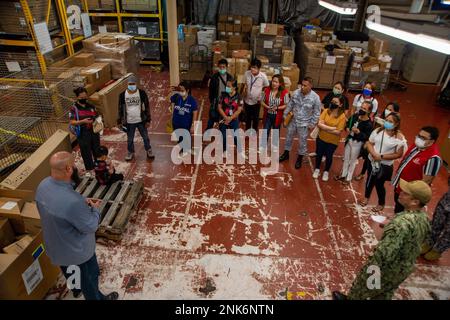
[(381, 156)]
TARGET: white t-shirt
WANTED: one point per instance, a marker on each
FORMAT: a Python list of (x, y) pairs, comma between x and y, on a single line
[(359, 99), (390, 144), (255, 85), (133, 103)]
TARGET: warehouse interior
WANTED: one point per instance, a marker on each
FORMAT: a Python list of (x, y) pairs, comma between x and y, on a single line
[(192, 231)]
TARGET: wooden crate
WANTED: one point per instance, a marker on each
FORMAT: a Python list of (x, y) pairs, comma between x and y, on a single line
[(119, 200)]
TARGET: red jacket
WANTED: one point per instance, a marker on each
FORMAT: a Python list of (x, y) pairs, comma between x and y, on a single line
[(279, 118), (413, 169)]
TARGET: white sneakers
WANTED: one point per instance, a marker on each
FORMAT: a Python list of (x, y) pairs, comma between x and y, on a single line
[(316, 174), (325, 175)]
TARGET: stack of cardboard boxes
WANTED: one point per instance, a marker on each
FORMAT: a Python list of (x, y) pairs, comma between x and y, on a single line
[(117, 49), (25, 270), (184, 45), (312, 33), (140, 5), (142, 28), (325, 68), (372, 65), (102, 25), (268, 40), (88, 73), (235, 30)]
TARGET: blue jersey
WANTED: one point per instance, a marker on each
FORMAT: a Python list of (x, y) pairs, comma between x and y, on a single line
[(183, 111)]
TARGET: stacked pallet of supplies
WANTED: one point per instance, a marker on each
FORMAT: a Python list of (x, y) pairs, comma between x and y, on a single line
[(140, 5), (269, 40), (372, 65), (117, 49), (102, 25), (142, 28), (324, 67), (235, 30)]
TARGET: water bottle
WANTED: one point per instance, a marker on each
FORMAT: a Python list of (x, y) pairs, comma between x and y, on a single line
[(180, 32)]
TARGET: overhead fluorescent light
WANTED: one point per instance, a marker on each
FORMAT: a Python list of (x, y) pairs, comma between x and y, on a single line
[(446, 1), (342, 7), (433, 43)]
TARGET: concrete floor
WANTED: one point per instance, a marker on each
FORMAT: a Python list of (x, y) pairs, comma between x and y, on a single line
[(226, 232)]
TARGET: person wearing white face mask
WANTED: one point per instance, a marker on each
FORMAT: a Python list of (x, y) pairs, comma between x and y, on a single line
[(134, 113), (385, 145), (390, 107), (422, 161)]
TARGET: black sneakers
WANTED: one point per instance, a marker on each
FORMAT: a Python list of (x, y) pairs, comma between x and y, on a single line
[(339, 296), (284, 156), (112, 296), (298, 163)]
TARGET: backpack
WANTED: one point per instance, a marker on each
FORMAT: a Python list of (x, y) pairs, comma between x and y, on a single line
[(75, 130)]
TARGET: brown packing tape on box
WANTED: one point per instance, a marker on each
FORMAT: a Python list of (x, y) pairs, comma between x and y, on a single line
[(13, 267), (36, 167)]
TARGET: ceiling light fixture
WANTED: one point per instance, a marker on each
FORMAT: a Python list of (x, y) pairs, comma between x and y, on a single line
[(342, 7), (433, 43)]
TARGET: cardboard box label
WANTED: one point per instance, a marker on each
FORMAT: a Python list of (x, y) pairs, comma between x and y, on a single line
[(9, 205), (142, 30), (32, 276), (13, 66), (102, 29), (331, 60), (268, 44)]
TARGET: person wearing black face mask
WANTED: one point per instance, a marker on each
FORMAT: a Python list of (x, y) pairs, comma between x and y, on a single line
[(82, 115), (358, 128)]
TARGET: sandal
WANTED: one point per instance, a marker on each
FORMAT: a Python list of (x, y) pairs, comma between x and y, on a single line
[(378, 208), (338, 177), (345, 182), (363, 202), (359, 177)]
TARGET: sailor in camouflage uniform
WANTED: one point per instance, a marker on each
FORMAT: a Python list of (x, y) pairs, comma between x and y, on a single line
[(396, 253)]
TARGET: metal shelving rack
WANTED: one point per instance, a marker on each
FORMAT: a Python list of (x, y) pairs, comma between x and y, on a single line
[(119, 14), (68, 43)]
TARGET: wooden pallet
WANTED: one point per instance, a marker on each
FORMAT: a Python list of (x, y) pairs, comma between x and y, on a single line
[(118, 202)]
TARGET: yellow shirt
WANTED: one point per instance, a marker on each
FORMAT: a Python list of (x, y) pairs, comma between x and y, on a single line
[(331, 121)]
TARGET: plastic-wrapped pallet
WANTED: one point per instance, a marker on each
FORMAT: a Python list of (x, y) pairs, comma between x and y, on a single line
[(118, 49)]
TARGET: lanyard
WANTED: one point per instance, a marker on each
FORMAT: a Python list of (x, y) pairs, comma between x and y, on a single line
[(252, 82)]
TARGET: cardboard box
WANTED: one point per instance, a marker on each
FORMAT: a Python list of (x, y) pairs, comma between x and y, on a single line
[(268, 29), (292, 72), (107, 101), (326, 78), (246, 24), (445, 149), (237, 28), (223, 18), (234, 46), (31, 218), (220, 46), (221, 26), (19, 246), (287, 57), (378, 46), (371, 66), (235, 39), (216, 57), (231, 66), (229, 27), (6, 233), (97, 74), (245, 46), (11, 207), (27, 267), (314, 62), (83, 59), (242, 54), (264, 60), (338, 76), (242, 65), (36, 167)]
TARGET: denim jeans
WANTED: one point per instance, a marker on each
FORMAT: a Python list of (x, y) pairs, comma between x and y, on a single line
[(269, 125), (89, 279), (89, 143), (234, 125), (131, 129)]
